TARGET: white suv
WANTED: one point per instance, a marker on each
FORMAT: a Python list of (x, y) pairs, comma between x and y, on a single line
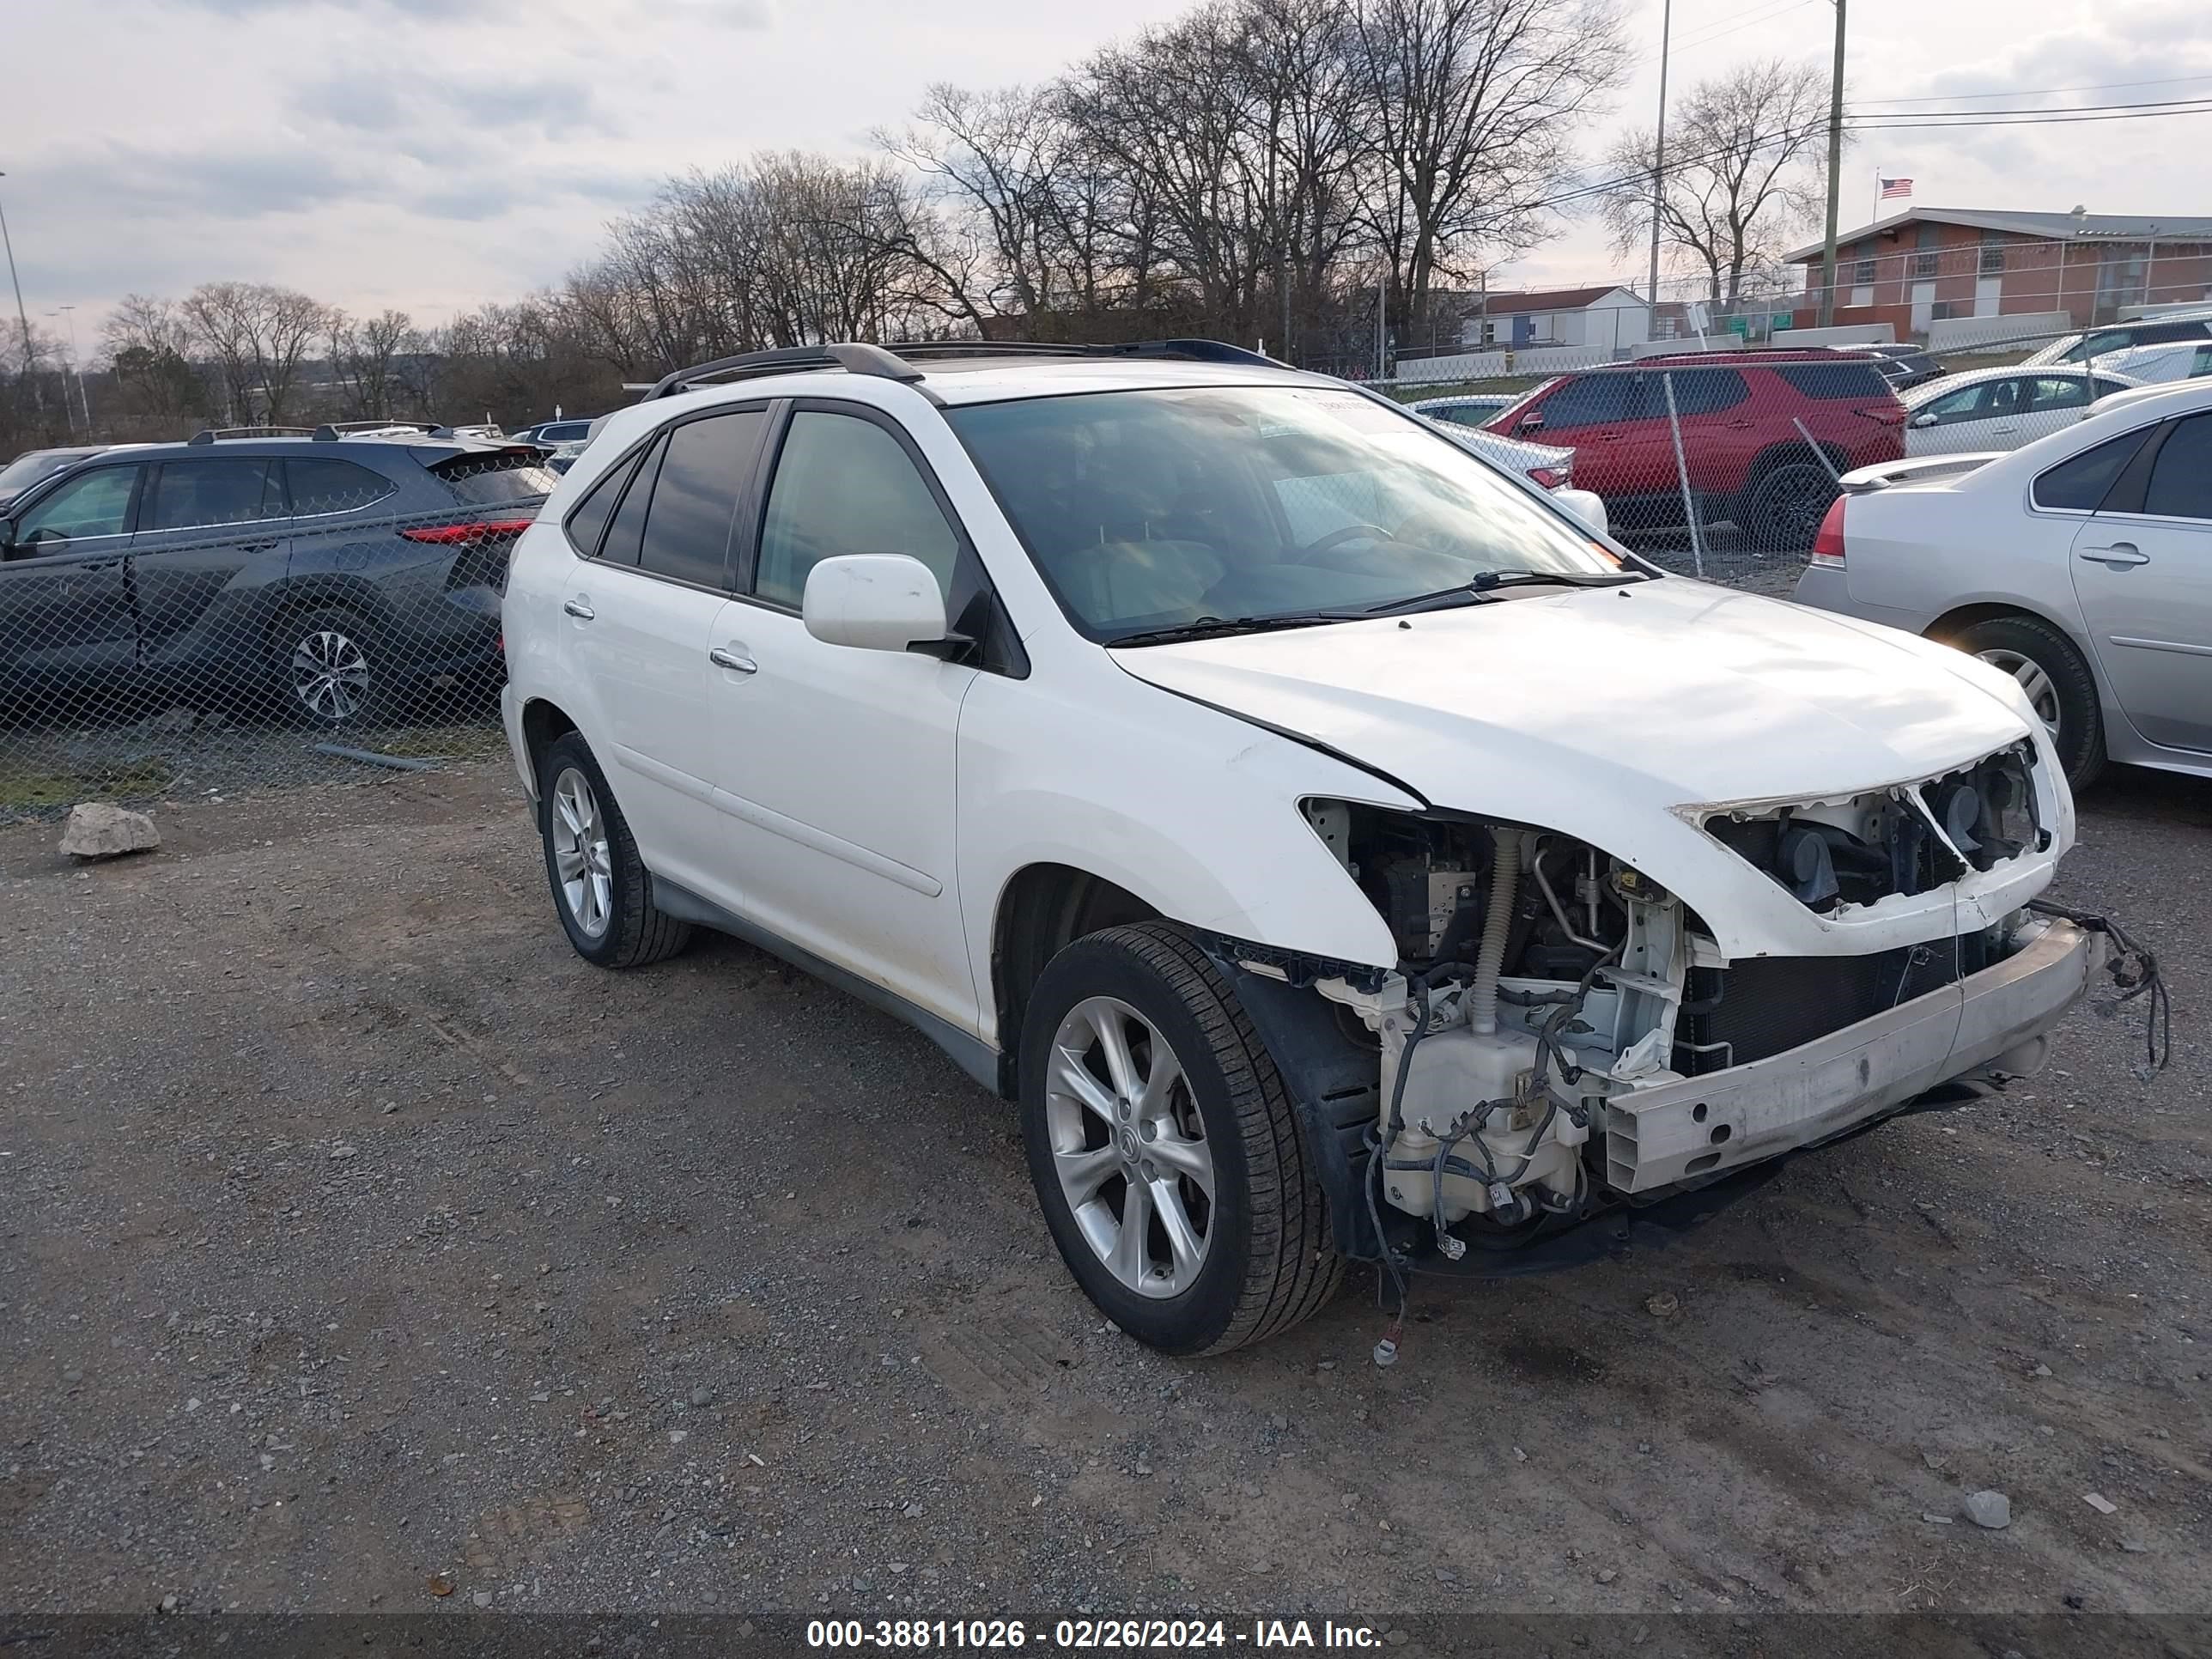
[(1336, 852)]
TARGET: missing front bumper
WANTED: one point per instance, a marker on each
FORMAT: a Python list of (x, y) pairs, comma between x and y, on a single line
[(1701, 1128)]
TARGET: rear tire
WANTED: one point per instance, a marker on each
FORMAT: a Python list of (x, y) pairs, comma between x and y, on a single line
[(2057, 681), (1173, 1172), (601, 890), (1786, 506), (336, 675)]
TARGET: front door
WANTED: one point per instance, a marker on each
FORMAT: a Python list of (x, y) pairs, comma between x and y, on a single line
[(835, 765), (2143, 578), (65, 616), (212, 543)]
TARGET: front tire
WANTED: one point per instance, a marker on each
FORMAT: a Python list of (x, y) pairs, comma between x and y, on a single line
[(1166, 1150), (2057, 681), (601, 890)]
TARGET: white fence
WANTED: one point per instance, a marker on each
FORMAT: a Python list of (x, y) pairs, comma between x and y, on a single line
[(1500, 364), (1965, 335)]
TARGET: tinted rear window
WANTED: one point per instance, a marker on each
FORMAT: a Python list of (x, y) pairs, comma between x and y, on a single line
[(1834, 382), (2082, 481), (497, 480)]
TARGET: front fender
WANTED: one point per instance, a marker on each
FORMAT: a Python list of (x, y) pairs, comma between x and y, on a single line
[(1199, 817)]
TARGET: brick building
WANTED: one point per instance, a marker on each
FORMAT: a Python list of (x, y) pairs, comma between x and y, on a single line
[(1928, 264)]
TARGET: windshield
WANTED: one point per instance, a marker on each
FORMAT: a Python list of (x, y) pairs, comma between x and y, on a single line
[(1152, 509), (27, 470)]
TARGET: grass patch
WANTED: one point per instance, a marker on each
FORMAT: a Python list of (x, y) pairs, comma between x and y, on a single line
[(30, 788), (442, 743)]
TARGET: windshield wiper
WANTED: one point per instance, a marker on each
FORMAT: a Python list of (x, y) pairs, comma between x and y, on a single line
[(1489, 580), (1214, 628)]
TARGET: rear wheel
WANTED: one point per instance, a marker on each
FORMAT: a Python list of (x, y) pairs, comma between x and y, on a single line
[(1165, 1151), (2057, 681), (1786, 507), (600, 887), (335, 673)]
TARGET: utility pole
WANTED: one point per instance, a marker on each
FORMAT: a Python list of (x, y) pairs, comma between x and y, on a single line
[(21, 316), (1659, 160), (69, 313), (1835, 173)]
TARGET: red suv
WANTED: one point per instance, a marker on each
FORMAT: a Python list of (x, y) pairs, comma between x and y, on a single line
[(1739, 413)]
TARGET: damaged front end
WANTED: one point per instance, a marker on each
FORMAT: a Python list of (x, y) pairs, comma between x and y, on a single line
[(1562, 1036)]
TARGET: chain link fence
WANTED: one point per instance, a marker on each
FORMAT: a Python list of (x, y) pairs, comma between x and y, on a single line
[(243, 618), (252, 610)]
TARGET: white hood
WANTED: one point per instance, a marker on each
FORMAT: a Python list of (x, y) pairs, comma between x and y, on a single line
[(1600, 712)]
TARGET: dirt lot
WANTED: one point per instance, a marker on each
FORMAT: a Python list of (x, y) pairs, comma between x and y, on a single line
[(367, 1250)]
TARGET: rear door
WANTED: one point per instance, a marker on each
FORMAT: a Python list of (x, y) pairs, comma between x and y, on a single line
[(1984, 415), (212, 543), (64, 596), (1720, 435), (643, 607), (2056, 402), (2142, 574)]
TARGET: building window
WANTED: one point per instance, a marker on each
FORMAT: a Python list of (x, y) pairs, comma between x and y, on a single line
[(1863, 273), (1923, 266), (1992, 259)]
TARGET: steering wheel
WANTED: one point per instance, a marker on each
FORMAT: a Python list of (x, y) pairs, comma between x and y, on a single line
[(1350, 532)]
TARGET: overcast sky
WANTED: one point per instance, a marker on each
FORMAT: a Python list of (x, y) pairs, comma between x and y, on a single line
[(412, 154)]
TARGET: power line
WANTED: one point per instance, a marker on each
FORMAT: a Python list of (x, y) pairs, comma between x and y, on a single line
[(1705, 36), (2045, 91), (2183, 104), (2068, 120)]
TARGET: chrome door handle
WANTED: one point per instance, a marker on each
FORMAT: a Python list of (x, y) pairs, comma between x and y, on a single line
[(2117, 555), (578, 609), (732, 660)]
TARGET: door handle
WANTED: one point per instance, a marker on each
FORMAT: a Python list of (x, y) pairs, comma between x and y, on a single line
[(733, 661), (257, 547), (2004, 431), (1739, 426), (2117, 557), (578, 609)]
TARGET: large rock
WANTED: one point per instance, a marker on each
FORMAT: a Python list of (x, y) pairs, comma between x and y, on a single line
[(98, 830)]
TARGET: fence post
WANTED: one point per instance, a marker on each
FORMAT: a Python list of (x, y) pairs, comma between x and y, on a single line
[(1682, 475)]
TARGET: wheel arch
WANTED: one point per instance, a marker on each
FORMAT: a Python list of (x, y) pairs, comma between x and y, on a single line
[(1791, 452), (543, 721), (1042, 909)]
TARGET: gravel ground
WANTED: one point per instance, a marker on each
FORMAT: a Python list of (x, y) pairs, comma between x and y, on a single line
[(367, 1250)]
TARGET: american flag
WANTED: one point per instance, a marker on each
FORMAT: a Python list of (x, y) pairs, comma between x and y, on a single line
[(1895, 188)]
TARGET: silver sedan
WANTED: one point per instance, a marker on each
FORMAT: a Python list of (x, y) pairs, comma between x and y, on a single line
[(2081, 564)]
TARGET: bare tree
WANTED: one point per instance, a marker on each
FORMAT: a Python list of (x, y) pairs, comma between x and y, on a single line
[(256, 336), (1474, 104), (362, 357), (1745, 169)]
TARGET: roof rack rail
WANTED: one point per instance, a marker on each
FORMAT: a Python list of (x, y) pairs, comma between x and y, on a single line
[(851, 355), (331, 431), (894, 362), (1192, 350), (224, 433)]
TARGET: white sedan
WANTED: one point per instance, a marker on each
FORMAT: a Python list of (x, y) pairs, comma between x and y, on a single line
[(1986, 409), (2155, 365), (2081, 565)]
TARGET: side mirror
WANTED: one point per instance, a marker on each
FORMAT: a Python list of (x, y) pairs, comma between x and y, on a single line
[(1921, 421), (1529, 423), (873, 602), (1586, 505)]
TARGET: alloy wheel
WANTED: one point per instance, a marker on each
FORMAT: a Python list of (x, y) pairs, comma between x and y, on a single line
[(330, 676), (1130, 1147), (2042, 694), (579, 832)]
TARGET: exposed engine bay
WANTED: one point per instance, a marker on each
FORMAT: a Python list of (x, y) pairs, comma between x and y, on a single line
[(1540, 978)]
